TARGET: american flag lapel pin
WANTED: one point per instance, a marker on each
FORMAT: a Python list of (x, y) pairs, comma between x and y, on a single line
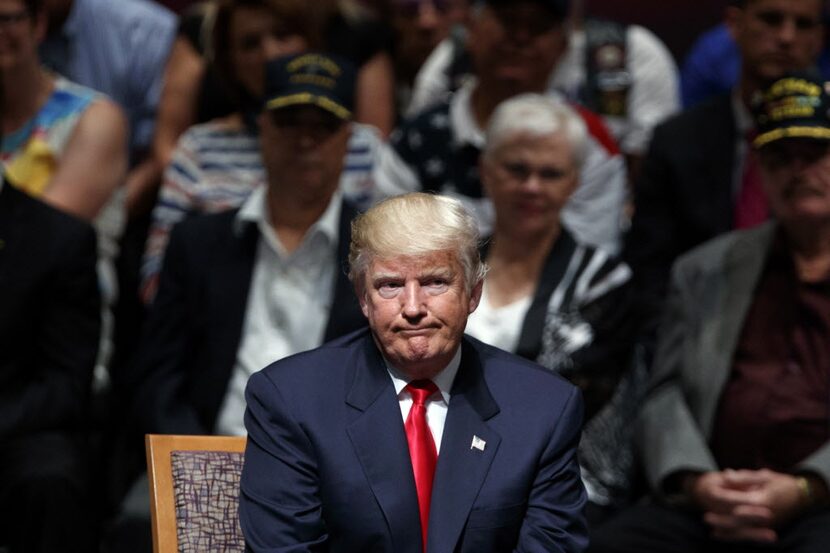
[(478, 443)]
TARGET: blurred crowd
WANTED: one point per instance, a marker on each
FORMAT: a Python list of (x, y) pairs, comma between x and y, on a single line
[(175, 208)]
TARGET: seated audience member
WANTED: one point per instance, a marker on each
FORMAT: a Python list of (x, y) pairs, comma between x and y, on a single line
[(49, 323), (243, 288), (63, 143), (698, 179), (216, 165), (408, 436), (514, 47), (734, 431), (549, 298), (119, 49), (622, 72)]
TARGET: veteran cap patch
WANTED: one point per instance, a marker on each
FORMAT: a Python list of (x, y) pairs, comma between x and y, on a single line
[(797, 106), (311, 78)]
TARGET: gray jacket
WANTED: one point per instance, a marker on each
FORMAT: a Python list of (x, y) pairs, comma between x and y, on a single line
[(712, 288)]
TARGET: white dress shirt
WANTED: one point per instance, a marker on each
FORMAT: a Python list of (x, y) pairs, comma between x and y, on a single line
[(436, 405), (288, 303)]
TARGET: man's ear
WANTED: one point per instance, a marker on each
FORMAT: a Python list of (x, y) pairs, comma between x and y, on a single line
[(475, 295)]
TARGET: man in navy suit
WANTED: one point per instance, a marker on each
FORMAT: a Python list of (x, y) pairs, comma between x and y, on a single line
[(408, 437)]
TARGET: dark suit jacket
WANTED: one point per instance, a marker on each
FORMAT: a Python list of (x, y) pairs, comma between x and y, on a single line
[(49, 316), (684, 195), (192, 335), (327, 465)]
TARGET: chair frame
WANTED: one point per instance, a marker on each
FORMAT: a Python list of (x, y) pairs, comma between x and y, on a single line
[(160, 474)]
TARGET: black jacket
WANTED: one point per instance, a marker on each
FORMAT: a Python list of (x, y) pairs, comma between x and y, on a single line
[(192, 335)]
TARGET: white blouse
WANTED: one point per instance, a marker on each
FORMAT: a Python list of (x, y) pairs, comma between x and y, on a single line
[(498, 326)]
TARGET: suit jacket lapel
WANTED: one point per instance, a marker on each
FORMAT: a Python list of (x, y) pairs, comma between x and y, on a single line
[(378, 438), (462, 468), (744, 264), (227, 291)]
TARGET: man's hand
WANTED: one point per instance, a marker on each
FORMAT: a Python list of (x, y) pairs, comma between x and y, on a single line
[(746, 504)]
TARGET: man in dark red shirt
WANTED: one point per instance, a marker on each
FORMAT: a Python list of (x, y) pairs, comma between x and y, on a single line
[(735, 431)]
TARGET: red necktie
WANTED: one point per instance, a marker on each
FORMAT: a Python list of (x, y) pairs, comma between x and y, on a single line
[(421, 447), (751, 204)]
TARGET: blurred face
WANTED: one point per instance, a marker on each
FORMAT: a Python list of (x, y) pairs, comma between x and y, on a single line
[(417, 308), (514, 48), (796, 174), (303, 149), (529, 180), (20, 34), (776, 36), (255, 38), (419, 26)]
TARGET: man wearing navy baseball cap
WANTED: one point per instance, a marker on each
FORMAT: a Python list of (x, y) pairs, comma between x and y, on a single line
[(734, 431), (246, 287)]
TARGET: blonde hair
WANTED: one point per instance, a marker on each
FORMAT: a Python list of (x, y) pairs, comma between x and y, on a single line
[(416, 225), (536, 115)]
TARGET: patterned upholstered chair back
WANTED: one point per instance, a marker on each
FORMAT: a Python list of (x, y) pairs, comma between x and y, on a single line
[(194, 492)]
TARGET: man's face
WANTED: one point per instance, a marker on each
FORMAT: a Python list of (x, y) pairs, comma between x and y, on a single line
[(796, 174), (515, 47), (303, 149), (529, 179), (417, 308), (776, 37), (419, 26)]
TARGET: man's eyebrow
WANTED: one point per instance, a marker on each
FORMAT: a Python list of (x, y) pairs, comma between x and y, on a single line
[(384, 276), (442, 272)]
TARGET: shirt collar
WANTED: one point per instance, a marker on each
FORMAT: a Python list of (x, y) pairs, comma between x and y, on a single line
[(463, 123), (255, 211), (444, 379)]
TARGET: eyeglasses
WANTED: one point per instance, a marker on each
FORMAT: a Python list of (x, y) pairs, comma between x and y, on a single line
[(12, 18)]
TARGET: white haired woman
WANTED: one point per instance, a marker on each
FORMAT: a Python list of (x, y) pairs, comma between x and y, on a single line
[(549, 298)]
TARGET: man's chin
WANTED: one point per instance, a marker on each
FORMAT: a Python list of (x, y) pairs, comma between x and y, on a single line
[(417, 359)]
